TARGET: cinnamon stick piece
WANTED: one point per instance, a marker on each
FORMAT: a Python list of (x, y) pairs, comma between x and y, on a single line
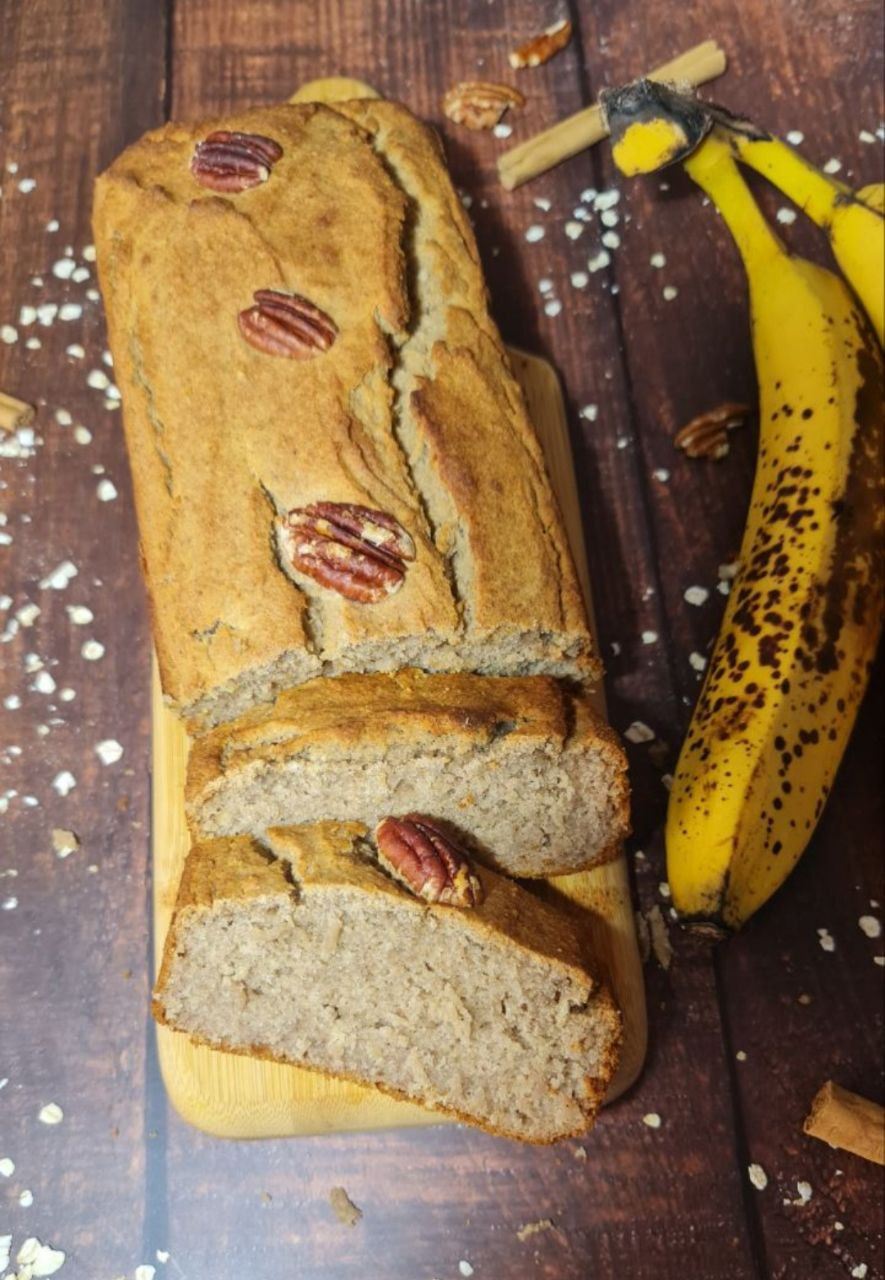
[(847, 1121), (14, 413), (538, 154)]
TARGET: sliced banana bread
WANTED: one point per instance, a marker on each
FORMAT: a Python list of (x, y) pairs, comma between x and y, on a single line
[(305, 951), (531, 779)]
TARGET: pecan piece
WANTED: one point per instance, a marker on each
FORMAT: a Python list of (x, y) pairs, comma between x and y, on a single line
[(706, 436), (226, 161), (358, 552), (415, 851), (479, 105), (541, 48), (285, 324)]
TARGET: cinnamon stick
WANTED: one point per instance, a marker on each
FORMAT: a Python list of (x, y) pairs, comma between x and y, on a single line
[(14, 413), (847, 1121)]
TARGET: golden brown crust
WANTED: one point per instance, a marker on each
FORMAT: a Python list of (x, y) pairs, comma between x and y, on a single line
[(222, 437), (325, 855)]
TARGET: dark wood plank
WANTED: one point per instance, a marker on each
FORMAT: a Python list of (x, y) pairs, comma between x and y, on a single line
[(816, 68), (633, 1202), (77, 81)]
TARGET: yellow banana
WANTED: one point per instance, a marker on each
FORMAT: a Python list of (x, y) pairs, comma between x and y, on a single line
[(792, 659), (854, 224)]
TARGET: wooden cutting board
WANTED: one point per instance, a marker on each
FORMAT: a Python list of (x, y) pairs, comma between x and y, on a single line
[(239, 1097)]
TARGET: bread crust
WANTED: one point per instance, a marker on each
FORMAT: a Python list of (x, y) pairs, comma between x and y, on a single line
[(407, 413), (321, 856)]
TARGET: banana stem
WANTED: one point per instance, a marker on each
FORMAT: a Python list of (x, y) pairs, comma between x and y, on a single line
[(713, 167), (815, 193)]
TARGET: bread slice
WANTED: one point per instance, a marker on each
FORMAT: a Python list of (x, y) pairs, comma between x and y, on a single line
[(532, 781), (304, 951), (413, 411)]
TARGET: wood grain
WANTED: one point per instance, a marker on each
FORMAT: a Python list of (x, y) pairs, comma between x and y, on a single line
[(121, 1177)]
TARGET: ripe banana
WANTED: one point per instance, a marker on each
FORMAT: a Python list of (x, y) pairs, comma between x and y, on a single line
[(792, 659)]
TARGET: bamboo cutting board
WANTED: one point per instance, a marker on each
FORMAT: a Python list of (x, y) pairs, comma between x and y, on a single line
[(235, 1096)]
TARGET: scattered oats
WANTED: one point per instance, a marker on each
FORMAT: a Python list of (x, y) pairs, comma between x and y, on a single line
[(466, 200), (81, 274), (93, 295), (616, 648), (26, 1199), (553, 307), (590, 412), (741, 1055), (7, 1167), (588, 195), (804, 998), (27, 315), (606, 200), (795, 137), (542, 203), (697, 661), (805, 1192), (33, 344), (145, 1272), (67, 694), (109, 751), (611, 240), (723, 587), (535, 233), (838, 1226), (75, 351), (162, 1255), (52, 226), (860, 1271), (79, 614), (63, 418), (64, 782), (27, 185), (870, 926), (786, 216), (667, 784), (652, 1120), (664, 889), (64, 268), (106, 491), (579, 279), (82, 435), (827, 941), (465, 1268), (6, 601), (669, 292), (622, 442), (658, 261), (28, 614), (529, 1229), (98, 380), (728, 571), (89, 253), (46, 313), (582, 214), (343, 1207), (610, 217), (866, 136), (833, 165), (502, 130), (574, 229), (38, 1259), (639, 732), (660, 937), (33, 662), (649, 637), (92, 650), (64, 842), (8, 334), (10, 904), (879, 960), (51, 1114), (662, 474), (113, 397), (5, 1246), (545, 285), (70, 311), (12, 702), (44, 683), (60, 577), (599, 260), (758, 1176), (696, 595)]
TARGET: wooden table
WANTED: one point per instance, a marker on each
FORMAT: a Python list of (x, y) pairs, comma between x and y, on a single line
[(740, 1037)]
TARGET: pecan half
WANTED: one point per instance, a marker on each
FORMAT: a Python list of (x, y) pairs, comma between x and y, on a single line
[(358, 552), (706, 436), (479, 105), (231, 162), (415, 851), (541, 48), (285, 324)]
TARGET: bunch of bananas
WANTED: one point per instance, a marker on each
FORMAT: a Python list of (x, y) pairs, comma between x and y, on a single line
[(792, 658)]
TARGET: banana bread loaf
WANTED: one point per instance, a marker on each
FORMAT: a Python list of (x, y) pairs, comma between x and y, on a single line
[(332, 462), (529, 777), (304, 951)]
